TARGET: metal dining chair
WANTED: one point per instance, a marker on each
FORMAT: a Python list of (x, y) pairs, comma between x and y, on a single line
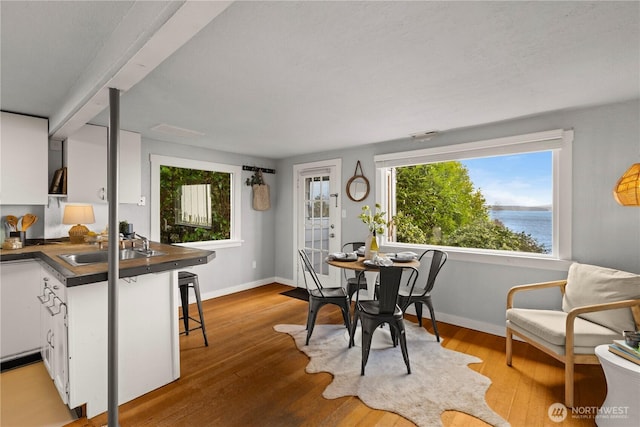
[(356, 281), (385, 309), (320, 296), (419, 292)]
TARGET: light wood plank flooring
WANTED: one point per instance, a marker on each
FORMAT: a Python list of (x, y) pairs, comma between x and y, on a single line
[(251, 375), (28, 398)]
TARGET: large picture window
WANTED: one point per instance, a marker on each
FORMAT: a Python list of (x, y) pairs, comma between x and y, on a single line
[(496, 196), (194, 201)]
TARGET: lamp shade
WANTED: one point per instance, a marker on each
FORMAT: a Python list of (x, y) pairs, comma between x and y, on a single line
[(78, 214), (627, 190)]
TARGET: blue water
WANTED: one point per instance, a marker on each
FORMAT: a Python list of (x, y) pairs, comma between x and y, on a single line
[(535, 223)]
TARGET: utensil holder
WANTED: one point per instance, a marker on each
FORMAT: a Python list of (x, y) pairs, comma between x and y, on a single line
[(21, 234)]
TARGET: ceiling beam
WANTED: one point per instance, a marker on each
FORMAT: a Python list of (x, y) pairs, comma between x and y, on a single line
[(129, 56)]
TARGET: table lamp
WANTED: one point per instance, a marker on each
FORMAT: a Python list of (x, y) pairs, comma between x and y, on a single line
[(78, 215)]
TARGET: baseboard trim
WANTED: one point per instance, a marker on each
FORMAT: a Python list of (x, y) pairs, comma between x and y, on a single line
[(234, 289), (476, 325), (284, 281), (20, 361), (464, 322)]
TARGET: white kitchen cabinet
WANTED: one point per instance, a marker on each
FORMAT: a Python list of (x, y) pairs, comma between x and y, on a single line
[(46, 328), (86, 161), (148, 339), (20, 314), (86, 158), (23, 160), (54, 332)]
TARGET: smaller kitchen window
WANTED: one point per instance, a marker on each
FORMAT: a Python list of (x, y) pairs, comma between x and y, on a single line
[(193, 202)]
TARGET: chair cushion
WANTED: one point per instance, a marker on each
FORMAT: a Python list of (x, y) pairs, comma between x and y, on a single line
[(590, 284), (550, 326)]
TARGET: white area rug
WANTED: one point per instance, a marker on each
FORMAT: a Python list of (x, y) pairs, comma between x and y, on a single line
[(440, 379)]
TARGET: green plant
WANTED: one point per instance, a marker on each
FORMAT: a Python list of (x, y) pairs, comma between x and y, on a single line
[(256, 178), (172, 179), (374, 221)]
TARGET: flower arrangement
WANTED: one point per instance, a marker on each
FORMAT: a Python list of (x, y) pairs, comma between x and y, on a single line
[(375, 221)]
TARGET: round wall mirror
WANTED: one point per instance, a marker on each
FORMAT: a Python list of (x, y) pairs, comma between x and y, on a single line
[(358, 185), (358, 188)]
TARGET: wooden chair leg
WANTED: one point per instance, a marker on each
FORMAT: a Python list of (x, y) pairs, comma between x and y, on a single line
[(568, 382), (509, 346), (569, 365)]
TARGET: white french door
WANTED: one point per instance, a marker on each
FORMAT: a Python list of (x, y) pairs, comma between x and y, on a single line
[(317, 216)]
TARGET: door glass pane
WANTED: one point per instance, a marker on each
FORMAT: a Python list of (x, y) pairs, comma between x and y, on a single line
[(317, 221)]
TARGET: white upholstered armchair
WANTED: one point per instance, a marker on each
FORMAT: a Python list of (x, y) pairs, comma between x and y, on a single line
[(598, 304)]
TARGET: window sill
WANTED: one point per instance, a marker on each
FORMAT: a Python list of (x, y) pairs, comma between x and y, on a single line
[(212, 245), (513, 259)]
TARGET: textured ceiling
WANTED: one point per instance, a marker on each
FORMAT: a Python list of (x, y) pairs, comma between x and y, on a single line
[(45, 47), (278, 79)]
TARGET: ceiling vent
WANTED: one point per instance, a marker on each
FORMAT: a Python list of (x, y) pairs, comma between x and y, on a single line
[(176, 131), (424, 136)]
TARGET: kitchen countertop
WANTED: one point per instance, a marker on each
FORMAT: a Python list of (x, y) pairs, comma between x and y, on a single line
[(174, 257)]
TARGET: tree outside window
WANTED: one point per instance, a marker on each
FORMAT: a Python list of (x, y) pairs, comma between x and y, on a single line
[(439, 204), (509, 196), (195, 205)]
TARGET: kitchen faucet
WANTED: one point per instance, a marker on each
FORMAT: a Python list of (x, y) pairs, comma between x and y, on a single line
[(145, 242)]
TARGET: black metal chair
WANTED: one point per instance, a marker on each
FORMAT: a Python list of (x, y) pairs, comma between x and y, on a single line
[(419, 293), (188, 280), (385, 309), (320, 295), (357, 281)]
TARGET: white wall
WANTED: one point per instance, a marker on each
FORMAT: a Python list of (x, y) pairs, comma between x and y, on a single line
[(473, 294)]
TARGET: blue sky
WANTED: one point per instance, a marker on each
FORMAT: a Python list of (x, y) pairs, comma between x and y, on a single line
[(518, 179)]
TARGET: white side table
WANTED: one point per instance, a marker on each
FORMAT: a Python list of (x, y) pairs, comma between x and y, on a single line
[(621, 407)]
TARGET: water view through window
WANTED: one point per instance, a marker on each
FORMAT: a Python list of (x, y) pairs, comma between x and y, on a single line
[(518, 192), (499, 202), (537, 223)]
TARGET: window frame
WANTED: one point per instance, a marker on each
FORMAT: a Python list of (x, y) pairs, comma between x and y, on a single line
[(236, 201), (558, 141)]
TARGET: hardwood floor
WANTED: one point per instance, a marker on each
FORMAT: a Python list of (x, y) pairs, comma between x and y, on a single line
[(251, 375), (29, 399)]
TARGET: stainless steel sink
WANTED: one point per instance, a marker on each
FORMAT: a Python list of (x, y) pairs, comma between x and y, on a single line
[(85, 258)]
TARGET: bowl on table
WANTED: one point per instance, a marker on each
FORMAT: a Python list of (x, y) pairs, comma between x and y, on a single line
[(632, 338)]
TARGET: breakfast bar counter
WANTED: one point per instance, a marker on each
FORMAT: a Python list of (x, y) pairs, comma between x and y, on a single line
[(172, 258), (60, 290)]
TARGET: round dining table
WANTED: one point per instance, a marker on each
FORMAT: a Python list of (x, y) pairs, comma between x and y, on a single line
[(382, 337), (370, 272)]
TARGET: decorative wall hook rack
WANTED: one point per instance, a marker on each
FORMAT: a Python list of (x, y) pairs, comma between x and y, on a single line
[(256, 168)]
